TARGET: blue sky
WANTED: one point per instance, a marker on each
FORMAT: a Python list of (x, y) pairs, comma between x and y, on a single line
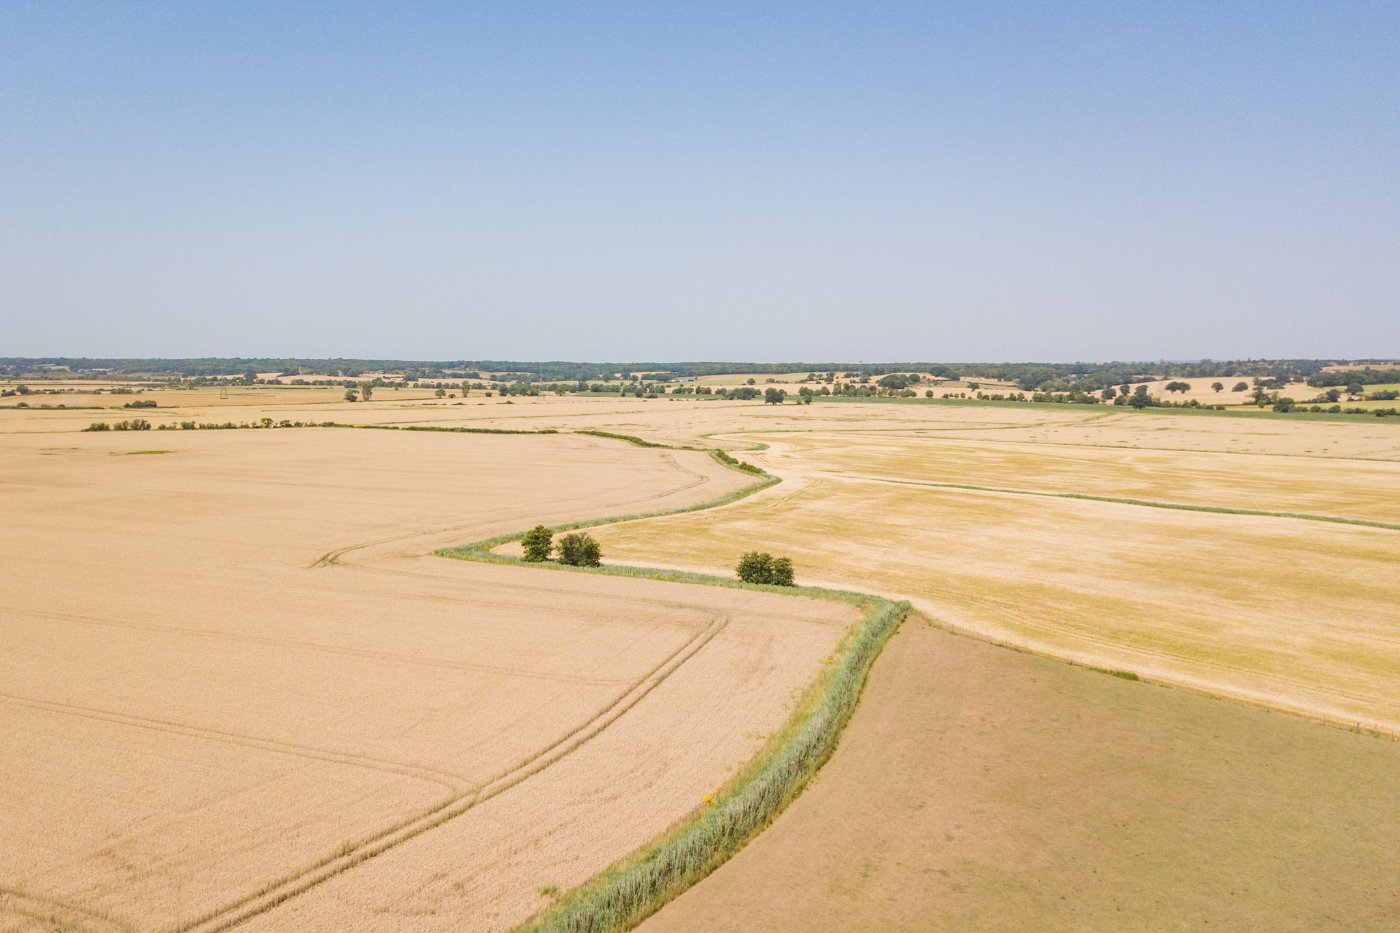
[(700, 181)]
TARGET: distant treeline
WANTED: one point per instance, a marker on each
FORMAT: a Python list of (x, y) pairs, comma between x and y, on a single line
[(1365, 377), (1045, 377)]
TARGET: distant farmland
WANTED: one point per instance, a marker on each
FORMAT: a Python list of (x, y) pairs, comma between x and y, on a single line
[(240, 692)]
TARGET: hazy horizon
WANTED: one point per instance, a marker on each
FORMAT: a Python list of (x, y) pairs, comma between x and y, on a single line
[(691, 182)]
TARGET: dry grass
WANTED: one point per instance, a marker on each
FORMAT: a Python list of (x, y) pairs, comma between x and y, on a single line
[(1289, 613), (1352, 489)]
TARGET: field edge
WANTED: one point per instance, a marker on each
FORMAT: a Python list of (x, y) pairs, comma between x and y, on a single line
[(637, 886)]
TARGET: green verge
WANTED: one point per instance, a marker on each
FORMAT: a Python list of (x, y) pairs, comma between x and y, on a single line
[(629, 438), (639, 885)]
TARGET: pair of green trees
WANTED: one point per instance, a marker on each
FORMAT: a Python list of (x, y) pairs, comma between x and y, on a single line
[(576, 550), (762, 567)]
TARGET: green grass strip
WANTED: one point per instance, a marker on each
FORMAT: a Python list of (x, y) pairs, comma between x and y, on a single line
[(1144, 503), (629, 438), (638, 886)]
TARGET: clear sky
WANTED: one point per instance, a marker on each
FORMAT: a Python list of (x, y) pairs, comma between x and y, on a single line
[(709, 180)]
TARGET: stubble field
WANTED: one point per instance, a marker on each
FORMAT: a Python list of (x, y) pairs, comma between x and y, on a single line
[(1022, 543)]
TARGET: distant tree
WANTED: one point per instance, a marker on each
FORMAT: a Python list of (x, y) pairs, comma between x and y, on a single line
[(1355, 388), (1218, 386), (1178, 387), (894, 381), (804, 396), (1140, 398), (351, 395), (466, 387), (774, 396), (1108, 394), (782, 574), (1284, 404), (762, 567), (745, 393), (538, 542), (755, 567), (928, 393), (580, 550), (751, 380), (1241, 387), (366, 390), (1334, 395), (440, 392)]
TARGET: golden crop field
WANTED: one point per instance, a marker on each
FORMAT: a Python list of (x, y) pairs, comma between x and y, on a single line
[(233, 673), (239, 690)]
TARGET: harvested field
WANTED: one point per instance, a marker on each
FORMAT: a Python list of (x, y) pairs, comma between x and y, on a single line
[(1355, 490), (984, 789), (233, 673), (1285, 612)]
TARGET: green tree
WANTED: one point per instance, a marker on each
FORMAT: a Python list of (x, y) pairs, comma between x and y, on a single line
[(580, 550), (896, 381), (366, 390), (755, 567), (1218, 386), (351, 395), (1140, 398), (782, 572), (538, 542), (1241, 387), (774, 396)]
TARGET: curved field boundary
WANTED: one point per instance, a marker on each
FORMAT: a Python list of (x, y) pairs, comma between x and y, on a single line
[(1144, 503), (641, 884)]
